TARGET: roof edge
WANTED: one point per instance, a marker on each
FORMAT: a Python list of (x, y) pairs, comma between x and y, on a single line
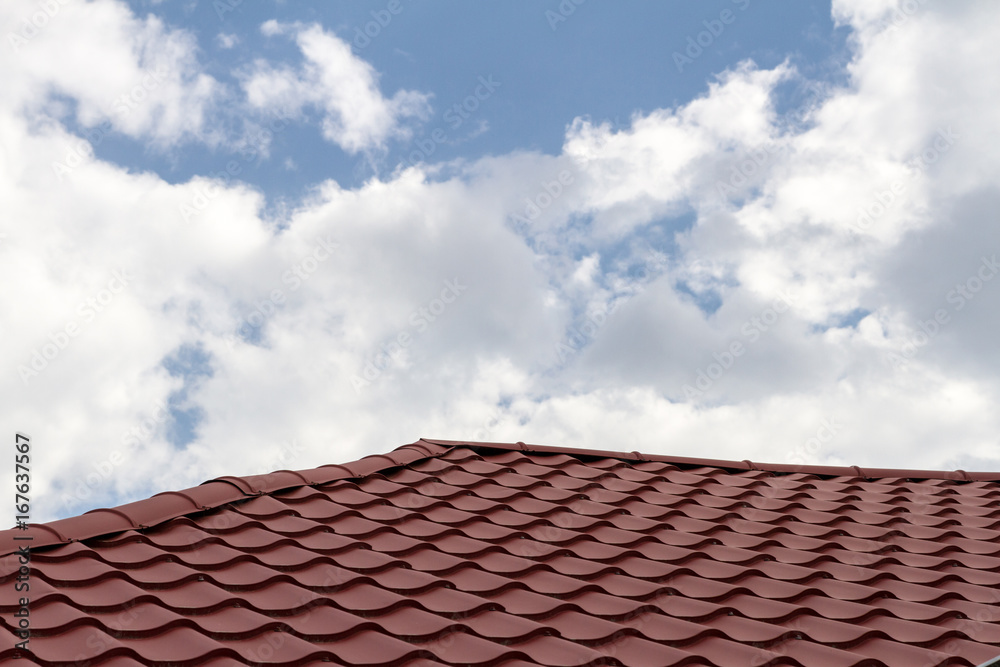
[(210, 494), (215, 493)]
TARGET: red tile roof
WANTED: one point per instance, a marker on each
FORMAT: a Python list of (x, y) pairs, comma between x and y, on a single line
[(459, 553)]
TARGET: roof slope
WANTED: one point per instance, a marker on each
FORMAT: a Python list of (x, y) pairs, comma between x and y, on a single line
[(487, 554)]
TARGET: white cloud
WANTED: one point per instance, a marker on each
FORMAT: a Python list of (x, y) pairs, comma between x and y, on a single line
[(356, 116), (133, 75), (227, 40)]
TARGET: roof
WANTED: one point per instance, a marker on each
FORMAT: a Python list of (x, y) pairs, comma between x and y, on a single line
[(449, 552)]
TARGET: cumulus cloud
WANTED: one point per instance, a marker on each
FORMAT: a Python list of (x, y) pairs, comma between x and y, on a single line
[(711, 280), (122, 73), (342, 86)]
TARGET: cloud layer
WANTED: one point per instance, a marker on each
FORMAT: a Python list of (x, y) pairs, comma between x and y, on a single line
[(716, 279)]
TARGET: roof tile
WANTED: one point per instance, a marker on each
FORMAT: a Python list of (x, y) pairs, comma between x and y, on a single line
[(496, 554)]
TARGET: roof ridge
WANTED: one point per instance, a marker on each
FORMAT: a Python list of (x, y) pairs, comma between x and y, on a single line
[(210, 494), (746, 464), (220, 491)]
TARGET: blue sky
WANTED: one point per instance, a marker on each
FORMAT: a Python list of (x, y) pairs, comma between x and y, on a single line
[(243, 237), (602, 61)]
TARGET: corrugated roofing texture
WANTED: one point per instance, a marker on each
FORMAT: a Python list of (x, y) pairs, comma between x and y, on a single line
[(489, 556)]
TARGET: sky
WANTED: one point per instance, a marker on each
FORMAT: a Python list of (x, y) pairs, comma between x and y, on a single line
[(242, 237)]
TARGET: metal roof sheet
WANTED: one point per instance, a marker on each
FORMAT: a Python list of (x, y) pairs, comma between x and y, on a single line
[(448, 552)]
